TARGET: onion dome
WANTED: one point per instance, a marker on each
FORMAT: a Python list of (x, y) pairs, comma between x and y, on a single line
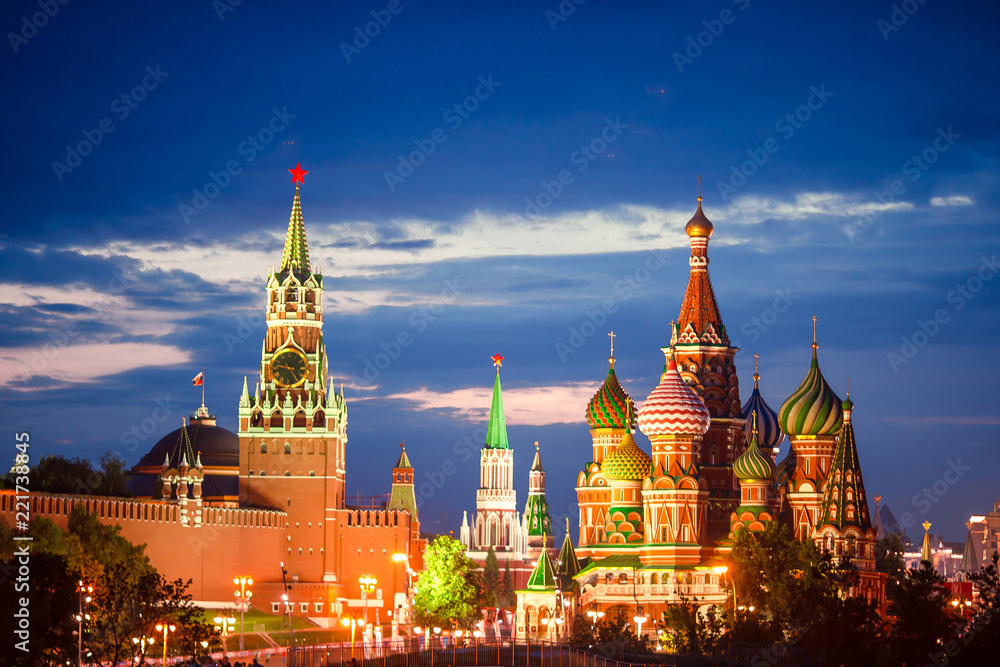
[(626, 462), (699, 224), (673, 408), (753, 464), (611, 406), (814, 409), (769, 435)]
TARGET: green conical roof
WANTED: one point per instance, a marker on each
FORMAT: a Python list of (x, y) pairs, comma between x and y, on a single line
[(496, 430), (404, 460), (296, 253), (568, 565), (542, 577), (845, 487)]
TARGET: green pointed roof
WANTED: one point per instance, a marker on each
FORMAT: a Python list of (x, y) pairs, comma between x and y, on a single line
[(536, 514), (496, 431), (752, 463), (568, 565), (542, 577), (970, 563), (845, 487), (404, 460), (296, 253)]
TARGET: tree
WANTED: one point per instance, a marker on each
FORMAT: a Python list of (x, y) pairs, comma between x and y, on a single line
[(50, 592), (981, 633), (57, 474), (889, 559), (491, 579), (925, 619), (688, 630), (507, 597), (446, 590)]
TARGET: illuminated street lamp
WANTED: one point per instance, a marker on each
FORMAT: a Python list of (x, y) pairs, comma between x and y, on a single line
[(166, 629), (243, 595), (225, 625), (141, 643), (85, 592), (368, 584)]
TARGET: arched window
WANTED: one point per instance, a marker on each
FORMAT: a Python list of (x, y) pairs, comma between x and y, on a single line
[(288, 448), (622, 578), (319, 419), (610, 579), (256, 419), (288, 474), (263, 448), (276, 420), (299, 420)]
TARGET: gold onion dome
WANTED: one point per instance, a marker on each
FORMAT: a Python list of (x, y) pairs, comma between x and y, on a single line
[(611, 406), (814, 408), (752, 463), (699, 224), (626, 462)]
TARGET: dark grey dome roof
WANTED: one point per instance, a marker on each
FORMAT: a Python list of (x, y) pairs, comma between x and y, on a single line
[(218, 446)]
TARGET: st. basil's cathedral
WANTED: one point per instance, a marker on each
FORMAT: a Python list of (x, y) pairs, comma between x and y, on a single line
[(655, 527)]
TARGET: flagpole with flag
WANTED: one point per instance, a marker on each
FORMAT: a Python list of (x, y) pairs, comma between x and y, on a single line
[(199, 380)]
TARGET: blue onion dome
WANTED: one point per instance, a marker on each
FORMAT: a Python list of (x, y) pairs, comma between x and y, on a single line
[(626, 462), (769, 434), (814, 409), (753, 464)]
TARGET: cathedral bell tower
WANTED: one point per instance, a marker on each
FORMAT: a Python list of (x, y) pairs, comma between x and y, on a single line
[(293, 428)]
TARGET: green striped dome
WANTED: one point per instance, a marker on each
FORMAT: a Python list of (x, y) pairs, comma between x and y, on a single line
[(813, 409), (626, 462), (753, 464)]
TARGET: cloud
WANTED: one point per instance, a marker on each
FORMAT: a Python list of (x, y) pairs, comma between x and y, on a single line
[(955, 200), (67, 364), (523, 406)]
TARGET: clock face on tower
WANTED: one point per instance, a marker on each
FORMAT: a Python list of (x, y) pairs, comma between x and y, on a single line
[(289, 368)]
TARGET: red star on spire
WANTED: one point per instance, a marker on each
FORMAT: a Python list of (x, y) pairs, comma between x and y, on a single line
[(497, 359), (298, 173)]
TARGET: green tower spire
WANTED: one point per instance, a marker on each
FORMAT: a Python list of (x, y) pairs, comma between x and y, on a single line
[(496, 431), (296, 253), (542, 577)]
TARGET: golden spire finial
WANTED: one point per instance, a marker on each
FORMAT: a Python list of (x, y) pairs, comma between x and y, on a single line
[(927, 525), (699, 189), (753, 436), (848, 387), (611, 360), (814, 333), (756, 374)]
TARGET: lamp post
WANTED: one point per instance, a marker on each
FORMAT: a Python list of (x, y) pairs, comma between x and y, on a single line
[(140, 644), (85, 592), (408, 581), (243, 595), (288, 608), (166, 629), (721, 570), (368, 583), (225, 625)]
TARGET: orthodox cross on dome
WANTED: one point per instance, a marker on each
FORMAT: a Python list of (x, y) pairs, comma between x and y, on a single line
[(611, 335), (497, 361), (814, 333), (298, 173), (756, 374), (699, 188)]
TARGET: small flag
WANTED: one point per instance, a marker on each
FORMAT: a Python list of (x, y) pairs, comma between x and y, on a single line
[(199, 379)]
